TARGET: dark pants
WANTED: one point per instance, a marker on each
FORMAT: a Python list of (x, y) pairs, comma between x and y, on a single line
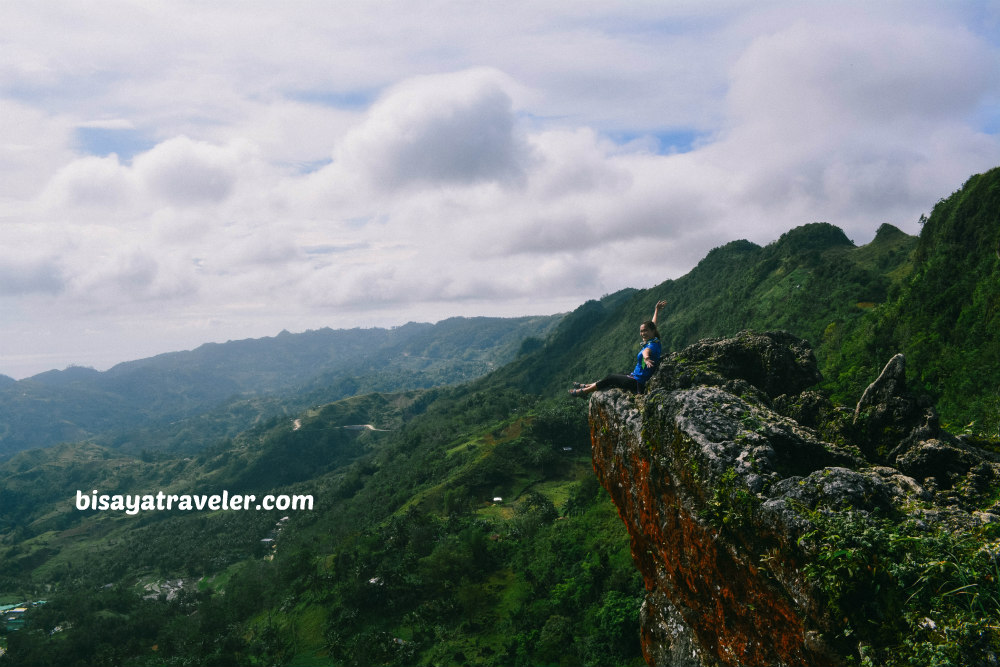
[(616, 381)]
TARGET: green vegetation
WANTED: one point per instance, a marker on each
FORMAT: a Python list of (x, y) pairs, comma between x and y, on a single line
[(934, 298), (731, 504), (406, 558), (908, 593), (946, 315), (407, 561), (809, 282)]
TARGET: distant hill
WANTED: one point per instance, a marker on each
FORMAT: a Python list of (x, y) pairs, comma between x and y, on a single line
[(406, 558), (226, 387)]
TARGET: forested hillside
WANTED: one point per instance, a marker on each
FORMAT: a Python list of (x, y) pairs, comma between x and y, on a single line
[(946, 316), (472, 529), (185, 400)]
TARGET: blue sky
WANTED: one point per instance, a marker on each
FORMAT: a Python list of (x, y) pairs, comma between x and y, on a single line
[(173, 173), (103, 141)]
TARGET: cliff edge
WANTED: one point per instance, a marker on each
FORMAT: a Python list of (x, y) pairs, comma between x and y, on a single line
[(774, 528)]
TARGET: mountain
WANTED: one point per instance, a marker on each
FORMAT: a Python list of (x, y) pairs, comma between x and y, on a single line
[(219, 389), (946, 316), (932, 297), (813, 281), (473, 529)]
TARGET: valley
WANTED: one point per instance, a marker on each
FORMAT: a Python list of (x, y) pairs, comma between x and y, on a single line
[(406, 556)]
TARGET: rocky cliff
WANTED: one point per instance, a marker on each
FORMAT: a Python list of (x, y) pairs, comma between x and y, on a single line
[(774, 528)]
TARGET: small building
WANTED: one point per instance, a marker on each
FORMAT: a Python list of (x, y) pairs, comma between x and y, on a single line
[(14, 617)]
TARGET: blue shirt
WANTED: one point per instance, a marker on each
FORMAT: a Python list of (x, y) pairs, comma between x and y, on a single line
[(642, 373)]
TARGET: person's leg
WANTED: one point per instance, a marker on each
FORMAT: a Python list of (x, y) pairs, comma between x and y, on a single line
[(613, 381), (617, 381)]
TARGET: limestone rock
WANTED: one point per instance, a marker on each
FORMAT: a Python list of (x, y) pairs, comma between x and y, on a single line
[(888, 416), (716, 484), (773, 362)]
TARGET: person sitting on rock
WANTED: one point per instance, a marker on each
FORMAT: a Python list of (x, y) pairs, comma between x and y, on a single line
[(646, 362)]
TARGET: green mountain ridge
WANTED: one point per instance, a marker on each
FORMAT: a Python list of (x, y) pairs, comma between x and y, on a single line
[(406, 559), (812, 282), (220, 388)]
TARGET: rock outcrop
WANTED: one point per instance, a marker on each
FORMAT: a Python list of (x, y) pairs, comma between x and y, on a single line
[(722, 473)]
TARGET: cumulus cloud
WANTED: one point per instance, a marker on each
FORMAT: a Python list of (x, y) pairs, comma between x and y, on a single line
[(574, 161), (188, 173), (443, 129), (812, 77), (33, 144), (121, 278), (834, 120), (178, 172), (92, 181)]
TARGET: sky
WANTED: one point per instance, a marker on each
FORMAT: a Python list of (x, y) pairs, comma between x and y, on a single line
[(180, 172)]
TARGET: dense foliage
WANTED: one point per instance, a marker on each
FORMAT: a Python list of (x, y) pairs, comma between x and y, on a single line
[(407, 558), (908, 593), (946, 316), (812, 282)]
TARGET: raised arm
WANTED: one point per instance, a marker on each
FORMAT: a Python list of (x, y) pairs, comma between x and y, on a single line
[(656, 311)]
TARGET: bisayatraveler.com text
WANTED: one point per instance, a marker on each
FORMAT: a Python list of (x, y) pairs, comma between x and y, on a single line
[(135, 503)]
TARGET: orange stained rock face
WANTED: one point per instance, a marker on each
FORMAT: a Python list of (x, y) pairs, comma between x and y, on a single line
[(737, 614)]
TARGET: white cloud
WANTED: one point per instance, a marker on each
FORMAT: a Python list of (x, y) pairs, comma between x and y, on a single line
[(33, 144), (443, 129), (832, 120), (347, 163), (91, 182), (812, 77), (291, 133), (188, 173), (108, 124), (575, 161)]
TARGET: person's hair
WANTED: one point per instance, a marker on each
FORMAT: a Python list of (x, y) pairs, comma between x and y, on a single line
[(649, 325)]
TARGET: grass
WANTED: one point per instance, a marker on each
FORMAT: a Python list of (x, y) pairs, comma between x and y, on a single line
[(936, 588), (557, 491), (309, 628)]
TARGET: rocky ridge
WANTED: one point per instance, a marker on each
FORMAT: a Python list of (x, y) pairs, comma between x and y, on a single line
[(729, 474)]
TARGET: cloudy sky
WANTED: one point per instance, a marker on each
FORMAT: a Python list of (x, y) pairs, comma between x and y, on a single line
[(173, 173)]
